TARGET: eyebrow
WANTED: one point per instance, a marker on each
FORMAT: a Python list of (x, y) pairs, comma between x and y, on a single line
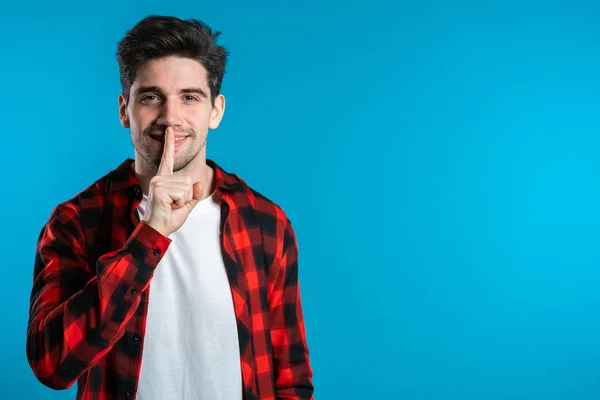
[(156, 89)]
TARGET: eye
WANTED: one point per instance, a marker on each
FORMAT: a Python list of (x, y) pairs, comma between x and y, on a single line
[(148, 99), (190, 98)]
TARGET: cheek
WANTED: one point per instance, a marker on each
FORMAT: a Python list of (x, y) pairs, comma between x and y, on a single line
[(200, 118), (141, 119), (199, 113)]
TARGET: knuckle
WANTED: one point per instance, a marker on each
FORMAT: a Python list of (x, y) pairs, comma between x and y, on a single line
[(158, 185)]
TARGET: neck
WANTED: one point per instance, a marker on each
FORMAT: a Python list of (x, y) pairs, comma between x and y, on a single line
[(198, 170)]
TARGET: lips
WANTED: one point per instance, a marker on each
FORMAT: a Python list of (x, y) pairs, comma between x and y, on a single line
[(161, 138)]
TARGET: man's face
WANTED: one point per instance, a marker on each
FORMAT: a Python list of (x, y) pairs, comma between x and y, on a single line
[(170, 91)]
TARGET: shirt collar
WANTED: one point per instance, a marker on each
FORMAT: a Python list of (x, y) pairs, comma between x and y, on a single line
[(123, 177)]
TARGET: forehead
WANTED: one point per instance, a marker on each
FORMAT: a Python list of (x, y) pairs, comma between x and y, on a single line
[(171, 74)]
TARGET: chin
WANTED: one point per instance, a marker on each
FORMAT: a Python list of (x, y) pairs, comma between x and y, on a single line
[(182, 164)]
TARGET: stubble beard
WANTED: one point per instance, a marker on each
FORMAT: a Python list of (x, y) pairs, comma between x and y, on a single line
[(152, 157)]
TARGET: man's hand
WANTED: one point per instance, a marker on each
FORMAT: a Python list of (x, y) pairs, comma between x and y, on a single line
[(171, 198)]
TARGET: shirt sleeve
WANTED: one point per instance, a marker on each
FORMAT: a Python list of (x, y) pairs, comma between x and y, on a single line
[(293, 373), (78, 310)]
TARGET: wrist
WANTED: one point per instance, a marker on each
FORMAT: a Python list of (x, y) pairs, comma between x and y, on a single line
[(157, 227)]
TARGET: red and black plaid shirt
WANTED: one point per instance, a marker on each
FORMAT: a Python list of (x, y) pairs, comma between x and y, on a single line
[(94, 264)]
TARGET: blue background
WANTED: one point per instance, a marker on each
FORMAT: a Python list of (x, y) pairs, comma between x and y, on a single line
[(439, 162)]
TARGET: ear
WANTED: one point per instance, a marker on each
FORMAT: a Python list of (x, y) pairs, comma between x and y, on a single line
[(123, 111), (217, 112)]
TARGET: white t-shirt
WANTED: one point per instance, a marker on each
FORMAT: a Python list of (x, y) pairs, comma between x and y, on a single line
[(191, 347)]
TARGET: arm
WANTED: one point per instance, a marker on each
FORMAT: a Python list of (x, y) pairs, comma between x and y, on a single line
[(293, 373), (76, 314)]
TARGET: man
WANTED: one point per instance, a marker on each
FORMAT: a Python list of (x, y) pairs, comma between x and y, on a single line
[(169, 278)]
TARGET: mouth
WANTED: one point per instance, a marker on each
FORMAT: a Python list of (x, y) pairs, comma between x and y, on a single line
[(161, 138)]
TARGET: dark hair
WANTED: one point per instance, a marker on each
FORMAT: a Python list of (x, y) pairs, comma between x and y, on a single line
[(161, 36)]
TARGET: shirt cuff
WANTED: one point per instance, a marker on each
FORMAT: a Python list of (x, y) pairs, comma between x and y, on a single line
[(147, 245)]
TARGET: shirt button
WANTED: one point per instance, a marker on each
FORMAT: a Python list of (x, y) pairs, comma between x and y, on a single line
[(129, 393), (156, 251), (137, 337), (134, 291), (137, 191)]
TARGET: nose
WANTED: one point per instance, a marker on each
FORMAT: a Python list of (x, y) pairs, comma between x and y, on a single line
[(170, 114)]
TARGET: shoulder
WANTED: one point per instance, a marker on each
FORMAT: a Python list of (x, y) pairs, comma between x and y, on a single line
[(69, 222), (265, 219), (88, 204), (246, 198), (267, 210), (263, 212)]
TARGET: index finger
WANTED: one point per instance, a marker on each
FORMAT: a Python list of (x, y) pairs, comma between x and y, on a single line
[(168, 155)]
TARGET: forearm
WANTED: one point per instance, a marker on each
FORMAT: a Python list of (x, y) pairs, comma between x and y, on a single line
[(293, 373), (70, 332)]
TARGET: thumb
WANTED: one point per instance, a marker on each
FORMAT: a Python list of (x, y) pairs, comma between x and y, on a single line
[(197, 188)]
